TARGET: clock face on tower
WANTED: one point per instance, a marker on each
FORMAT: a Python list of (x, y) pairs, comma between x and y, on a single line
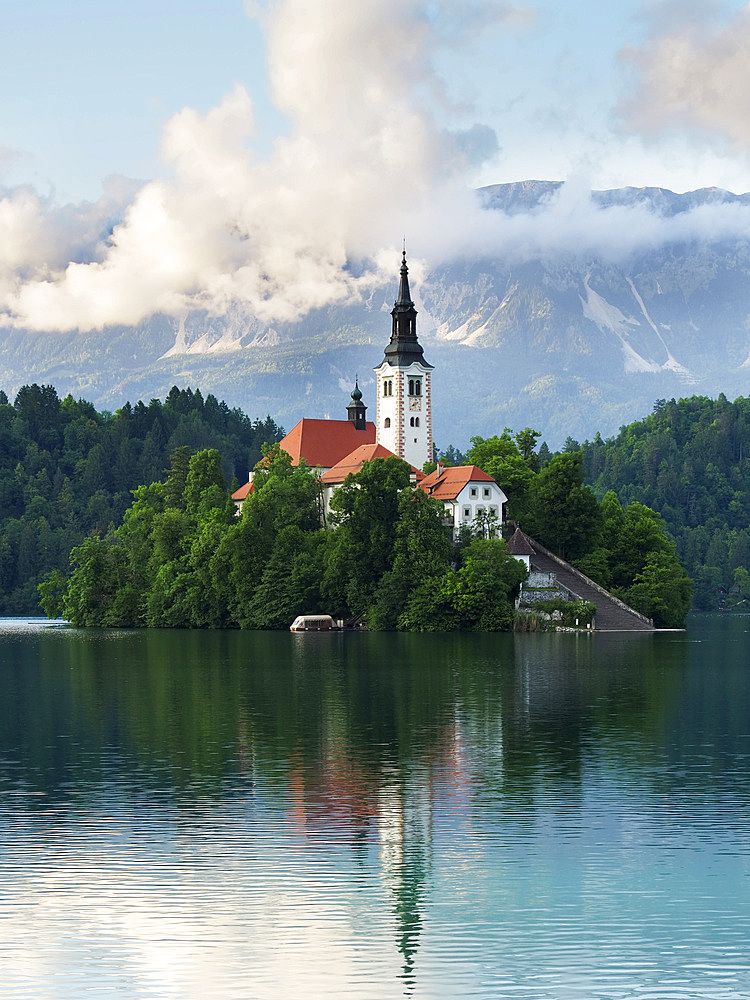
[(415, 403)]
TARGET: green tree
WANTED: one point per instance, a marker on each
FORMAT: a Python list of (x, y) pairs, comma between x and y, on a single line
[(564, 514), (641, 534), (422, 551), (52, 593), (284, 496), (511, 464), (206, 598), (452, 456), (100, 571), (179, 466), (290, 583), (526, 441), (489, 578), (478, 596), (662, 591), (205, 485), (366, 511)]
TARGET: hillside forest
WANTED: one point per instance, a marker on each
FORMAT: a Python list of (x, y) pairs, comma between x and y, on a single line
[(690, 460), (67, 470)]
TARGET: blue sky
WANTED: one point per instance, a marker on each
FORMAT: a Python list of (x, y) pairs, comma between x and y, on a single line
[(245, 153), (88, 86)]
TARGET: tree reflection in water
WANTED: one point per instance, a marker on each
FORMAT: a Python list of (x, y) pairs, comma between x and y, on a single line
[(352, 740)]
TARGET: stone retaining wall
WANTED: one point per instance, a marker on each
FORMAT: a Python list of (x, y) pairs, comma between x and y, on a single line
[(534, 596)]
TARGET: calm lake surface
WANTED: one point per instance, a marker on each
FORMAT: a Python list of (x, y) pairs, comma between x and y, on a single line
[(267, 815)]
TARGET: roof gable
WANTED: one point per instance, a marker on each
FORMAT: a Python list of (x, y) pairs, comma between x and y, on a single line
[(353, 463), (325, 442), (243, 492), (447, 485)]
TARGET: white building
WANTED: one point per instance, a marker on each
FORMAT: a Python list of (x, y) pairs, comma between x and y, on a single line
[(469, 496)]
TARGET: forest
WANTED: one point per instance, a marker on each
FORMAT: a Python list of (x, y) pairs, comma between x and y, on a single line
[(384, 558), (67, 470), (690, 460), (125, 519), (181, 558)]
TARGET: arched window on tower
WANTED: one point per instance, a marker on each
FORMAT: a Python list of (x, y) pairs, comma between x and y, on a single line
[(387, 422), (418, 387), (416, 421), (411, 386)]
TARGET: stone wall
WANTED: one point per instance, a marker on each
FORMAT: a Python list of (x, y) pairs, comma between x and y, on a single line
[(537, 595), (537, 580), (540, 587)]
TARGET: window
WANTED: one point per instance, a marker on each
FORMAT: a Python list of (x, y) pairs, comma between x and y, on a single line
[(473, 491), (387, 422), (388, 387), (418, 387), (467, 512), (486, 491), (416, 421), (411, 422), (493, 510), (411, 386)]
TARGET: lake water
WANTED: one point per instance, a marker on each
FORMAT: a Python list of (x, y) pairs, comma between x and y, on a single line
[(259, 815)]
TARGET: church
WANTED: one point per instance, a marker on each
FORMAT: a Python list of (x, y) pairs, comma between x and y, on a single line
[(402, 427)]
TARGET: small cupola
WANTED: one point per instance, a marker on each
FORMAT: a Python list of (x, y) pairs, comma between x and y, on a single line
[(356, 410)]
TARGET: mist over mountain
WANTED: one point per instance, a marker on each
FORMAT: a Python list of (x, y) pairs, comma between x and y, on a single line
[(579, 312)]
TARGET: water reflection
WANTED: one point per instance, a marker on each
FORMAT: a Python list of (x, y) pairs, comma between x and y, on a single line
[(496, 815)]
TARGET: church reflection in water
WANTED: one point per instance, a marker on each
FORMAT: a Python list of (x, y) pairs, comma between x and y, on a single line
[(384, 813), (375, 753), (395, 820), (405, 838)]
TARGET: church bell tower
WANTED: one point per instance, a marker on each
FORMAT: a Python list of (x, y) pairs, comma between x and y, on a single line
[(356, 409), (404, 414)]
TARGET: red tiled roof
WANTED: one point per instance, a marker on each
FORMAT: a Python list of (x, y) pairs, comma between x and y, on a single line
[(354, 462), (325, 442), (448, 484), (243, 492)]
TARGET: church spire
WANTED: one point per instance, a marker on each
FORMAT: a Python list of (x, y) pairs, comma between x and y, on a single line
[(404, 346), (404, 296)]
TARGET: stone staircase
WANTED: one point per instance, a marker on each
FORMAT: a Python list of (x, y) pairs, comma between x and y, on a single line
[(612, 615)]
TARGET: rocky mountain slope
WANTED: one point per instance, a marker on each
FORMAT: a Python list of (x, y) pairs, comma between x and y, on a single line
[(561, 330)]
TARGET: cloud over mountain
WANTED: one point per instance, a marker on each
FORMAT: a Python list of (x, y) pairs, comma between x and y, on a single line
[(363, 158), (315, 221)]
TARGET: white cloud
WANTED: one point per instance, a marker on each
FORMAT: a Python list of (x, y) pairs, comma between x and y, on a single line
[(364, 154), (366, 158), (693, 75)]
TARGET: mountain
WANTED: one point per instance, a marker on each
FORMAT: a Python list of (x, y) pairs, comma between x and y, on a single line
[(593, 309)]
